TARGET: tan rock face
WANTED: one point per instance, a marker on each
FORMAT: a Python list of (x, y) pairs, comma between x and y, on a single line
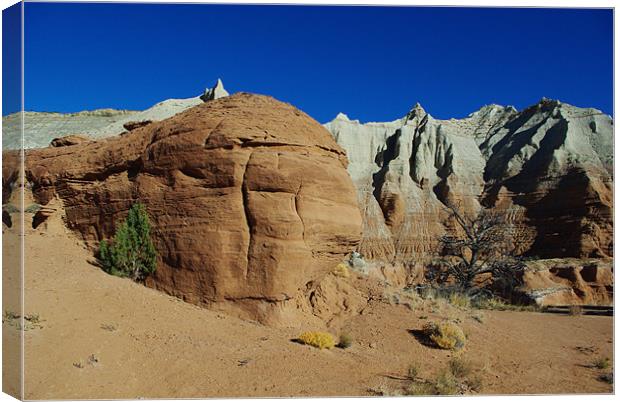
[(249, 199)]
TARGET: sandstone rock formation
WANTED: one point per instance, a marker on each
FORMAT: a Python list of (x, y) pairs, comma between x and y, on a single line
[(68, 141), (132, 125), (549, 167), (249, 198), (569, 281), (40, 128)]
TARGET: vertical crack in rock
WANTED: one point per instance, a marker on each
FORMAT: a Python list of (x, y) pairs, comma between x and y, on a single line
[(245, 198), (303, 224)]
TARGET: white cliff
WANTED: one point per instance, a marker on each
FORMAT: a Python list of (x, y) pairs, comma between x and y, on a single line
[(406, 172)]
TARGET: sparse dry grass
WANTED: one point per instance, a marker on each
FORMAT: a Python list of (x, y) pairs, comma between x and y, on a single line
[(460, 368), (474, 382), (459, 377), (446, 384), (498, 304), (479, 317), (421, 389), (460, 300), (413, 371)]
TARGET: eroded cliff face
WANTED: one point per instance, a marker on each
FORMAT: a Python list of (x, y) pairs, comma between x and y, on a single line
[(549, 167), (552, 167), (249, 199)]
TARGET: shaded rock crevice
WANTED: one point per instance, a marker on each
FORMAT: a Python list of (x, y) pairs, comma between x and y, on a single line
[(247, 215)]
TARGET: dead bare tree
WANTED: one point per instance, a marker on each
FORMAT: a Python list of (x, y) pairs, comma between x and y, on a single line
[(480, 245)]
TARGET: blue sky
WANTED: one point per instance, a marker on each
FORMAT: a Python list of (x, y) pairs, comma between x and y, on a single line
[(372, 63), (11, 56)]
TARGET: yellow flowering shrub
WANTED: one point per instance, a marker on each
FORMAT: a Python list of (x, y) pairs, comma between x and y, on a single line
[(342, 270), (321, 340), (445, 335)]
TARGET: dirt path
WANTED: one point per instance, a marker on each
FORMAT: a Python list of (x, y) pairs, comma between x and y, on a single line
[(105, 337)]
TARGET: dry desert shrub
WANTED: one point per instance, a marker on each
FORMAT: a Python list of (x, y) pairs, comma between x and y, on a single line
[(345, 341), (421, 389), (413, 371), (602, 363), (607, 378), (342, 271), (446, 384), (30, 321), (108, 327), (478, 317), (446, 335), (10, 315), (460, 368), (321, 340), (384, 390), (458, 378), (475, 383)]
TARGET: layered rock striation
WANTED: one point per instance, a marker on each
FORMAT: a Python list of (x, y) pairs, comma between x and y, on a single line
[(249, 199), (549, 167)]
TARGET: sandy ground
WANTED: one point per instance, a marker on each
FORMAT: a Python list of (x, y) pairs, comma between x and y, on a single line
[(105, 337)]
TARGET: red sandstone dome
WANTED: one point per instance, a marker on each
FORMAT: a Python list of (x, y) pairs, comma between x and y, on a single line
[(249, 199)]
